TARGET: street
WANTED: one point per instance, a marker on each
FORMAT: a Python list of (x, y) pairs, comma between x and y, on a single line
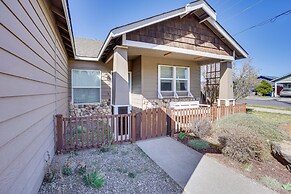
[(267, 101)]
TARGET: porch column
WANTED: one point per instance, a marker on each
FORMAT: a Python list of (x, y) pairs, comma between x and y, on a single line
[(226, 83), (120, 88), (275, 95)]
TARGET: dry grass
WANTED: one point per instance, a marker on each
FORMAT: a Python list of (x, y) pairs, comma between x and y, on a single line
[(265, 124)]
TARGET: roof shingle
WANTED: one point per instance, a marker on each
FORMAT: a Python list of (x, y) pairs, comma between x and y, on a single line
[(87, 47)]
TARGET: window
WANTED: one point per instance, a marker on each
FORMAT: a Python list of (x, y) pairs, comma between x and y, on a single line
[(86, 86), (174, 80)]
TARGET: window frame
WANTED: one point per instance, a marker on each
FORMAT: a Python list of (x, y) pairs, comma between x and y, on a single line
[(85, 87), (174, 82)]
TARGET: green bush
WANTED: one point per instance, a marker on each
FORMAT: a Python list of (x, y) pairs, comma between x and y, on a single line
[(182, 135), (264, 88), (199, 144), (94, 179), (67, 171), (201, 127), (271, 182)]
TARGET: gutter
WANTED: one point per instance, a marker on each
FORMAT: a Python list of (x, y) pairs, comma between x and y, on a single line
[(69, 24)]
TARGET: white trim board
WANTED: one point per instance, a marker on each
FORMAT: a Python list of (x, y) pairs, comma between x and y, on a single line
[(86, 58), (137, 44)]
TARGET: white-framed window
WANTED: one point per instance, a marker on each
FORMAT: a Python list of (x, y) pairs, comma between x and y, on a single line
[(86, 86), (173, 81)]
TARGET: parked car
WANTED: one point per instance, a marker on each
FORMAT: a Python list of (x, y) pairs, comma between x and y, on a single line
[(286, 92)]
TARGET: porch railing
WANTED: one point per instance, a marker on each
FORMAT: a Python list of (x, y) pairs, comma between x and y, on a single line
[(182, 118)]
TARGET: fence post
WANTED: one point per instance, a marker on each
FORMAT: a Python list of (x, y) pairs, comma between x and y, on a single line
[(245, 107), (133, 128), (59, 132), (172, 122)]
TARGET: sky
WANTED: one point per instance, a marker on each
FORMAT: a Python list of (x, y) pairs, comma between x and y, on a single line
[(269, 46)]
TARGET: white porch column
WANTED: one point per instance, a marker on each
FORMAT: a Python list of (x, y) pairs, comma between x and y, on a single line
[(276, 89), (120, 88), (226, 82)]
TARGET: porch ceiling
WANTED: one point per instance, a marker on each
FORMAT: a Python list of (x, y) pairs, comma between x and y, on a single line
[(134, 52)]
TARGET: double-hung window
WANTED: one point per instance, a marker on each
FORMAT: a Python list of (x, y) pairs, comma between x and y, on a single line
[(86, 86), (174, 81)]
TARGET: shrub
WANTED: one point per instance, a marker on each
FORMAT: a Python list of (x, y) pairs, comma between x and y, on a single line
[(182, 135), (67, 171), (201, 128), (264, 88), (199, 144), (287, 186), (270, 182), (242, 145), (94, 179), (131, 175), (81, 168), (49, 176)]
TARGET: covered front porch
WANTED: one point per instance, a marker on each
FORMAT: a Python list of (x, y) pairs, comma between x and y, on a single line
[(158, 60), (148, 78)]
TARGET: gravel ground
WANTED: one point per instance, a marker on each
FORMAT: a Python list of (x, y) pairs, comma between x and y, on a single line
[(126, 169)]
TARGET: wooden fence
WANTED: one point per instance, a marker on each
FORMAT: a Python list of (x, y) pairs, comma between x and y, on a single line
[(75, 133), (182, 118)]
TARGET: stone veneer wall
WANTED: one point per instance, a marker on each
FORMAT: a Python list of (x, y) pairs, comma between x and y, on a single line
[(104, 108)]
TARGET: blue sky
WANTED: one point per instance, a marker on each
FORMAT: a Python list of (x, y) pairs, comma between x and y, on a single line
[(269, 46)]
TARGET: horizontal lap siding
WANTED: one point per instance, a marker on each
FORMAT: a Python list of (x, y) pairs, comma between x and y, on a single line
[(136, 97), (33, 88), (150, 75)]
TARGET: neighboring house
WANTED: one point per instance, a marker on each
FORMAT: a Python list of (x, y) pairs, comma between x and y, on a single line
[(285, 81), (270, 80), (267, 78), (140, 65)]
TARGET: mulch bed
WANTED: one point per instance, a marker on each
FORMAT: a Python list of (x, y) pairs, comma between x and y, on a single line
[(125, 168)]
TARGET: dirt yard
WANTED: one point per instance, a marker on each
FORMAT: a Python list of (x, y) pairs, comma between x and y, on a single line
[(123, 168), (273, 127)]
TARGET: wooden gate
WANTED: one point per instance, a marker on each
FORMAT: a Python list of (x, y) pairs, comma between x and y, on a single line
[(151, 123)]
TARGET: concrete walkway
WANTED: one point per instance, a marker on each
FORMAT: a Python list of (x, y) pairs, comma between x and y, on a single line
[(197, 173), (270, 110)]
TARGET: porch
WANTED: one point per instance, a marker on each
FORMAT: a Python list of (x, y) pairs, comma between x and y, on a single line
[(144, 78)]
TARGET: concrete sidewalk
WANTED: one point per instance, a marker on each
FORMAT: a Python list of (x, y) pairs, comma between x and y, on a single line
[(269, 110), (197, 173)]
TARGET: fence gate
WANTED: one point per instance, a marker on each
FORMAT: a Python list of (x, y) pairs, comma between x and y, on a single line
[(151, 123)]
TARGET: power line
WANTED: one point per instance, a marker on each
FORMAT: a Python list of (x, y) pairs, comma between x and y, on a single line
[(236, 3), (244, 10), (271, 20)]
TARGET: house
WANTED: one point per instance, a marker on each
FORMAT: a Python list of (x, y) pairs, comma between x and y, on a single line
[(270, 80), (267, 78), (285, 81), (45, 71)]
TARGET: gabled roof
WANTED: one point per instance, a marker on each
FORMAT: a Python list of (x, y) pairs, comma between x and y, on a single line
[(87, 47), (267, 77), (281, 78), (200, 8)]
